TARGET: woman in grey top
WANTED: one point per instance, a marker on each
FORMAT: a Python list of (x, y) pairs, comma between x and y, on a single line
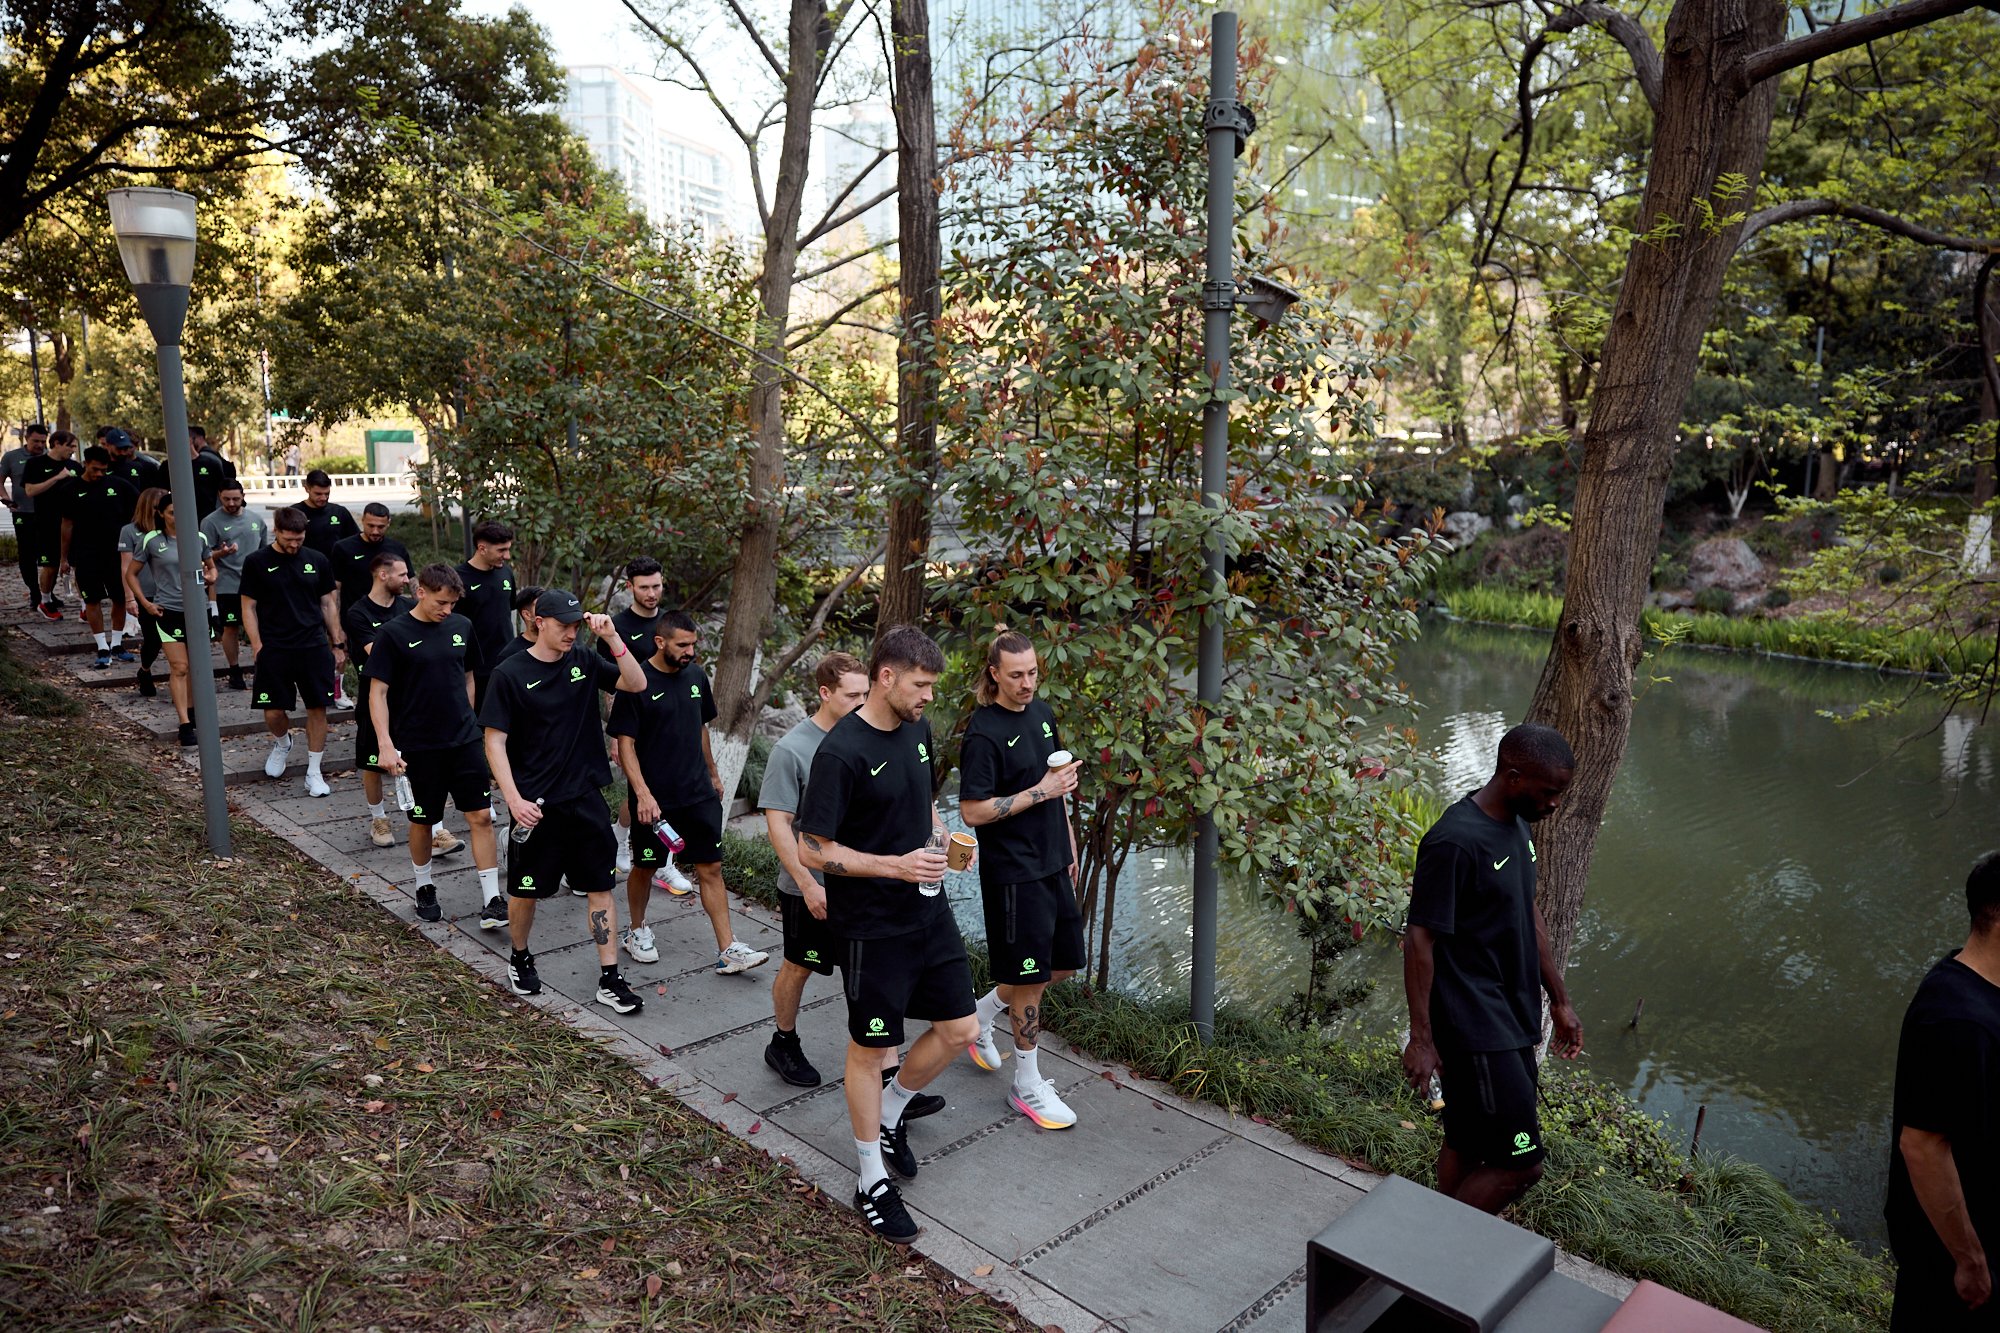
[(159, 555), (145, 517)]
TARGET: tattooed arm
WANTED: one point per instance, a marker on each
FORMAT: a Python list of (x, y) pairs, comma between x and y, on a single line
[(1053, 786), (922, 866)]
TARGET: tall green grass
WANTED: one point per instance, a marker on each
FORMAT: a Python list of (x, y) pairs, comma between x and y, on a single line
[(1828, 638)]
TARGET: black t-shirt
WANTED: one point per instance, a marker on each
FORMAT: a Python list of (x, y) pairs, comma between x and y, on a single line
[(328, 526), (288, 589), (97, 511), (517, 644), (1475, 888), (211, 470), (634, 631), (666, 721), (870, 791), (549, 712), (489, 604), (351, 558), (1005, 752), (360, 622), (425, 665), (1948, 1082), (142, 472), (39, 469)]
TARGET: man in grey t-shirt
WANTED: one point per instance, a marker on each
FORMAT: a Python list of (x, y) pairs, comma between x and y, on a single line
[(232, 533)]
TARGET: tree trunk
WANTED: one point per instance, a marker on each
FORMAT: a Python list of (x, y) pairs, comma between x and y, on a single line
[(1987, 320), (919, 253), (753, 579), (1672, 282)]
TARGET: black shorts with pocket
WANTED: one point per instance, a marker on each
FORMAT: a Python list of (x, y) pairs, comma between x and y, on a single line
[(809, 942), (286, 676), (700, 827), (170, 626), (97, 582), (1033, 930), (458, 772), (922, 974), (364, 734), (1489, 1106), (228, 610), (573, 841)]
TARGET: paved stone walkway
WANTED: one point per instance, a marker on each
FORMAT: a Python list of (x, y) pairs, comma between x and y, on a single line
[(1152, 1215)]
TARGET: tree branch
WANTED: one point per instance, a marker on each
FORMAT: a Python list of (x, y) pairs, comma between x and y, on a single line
[(1629, 33), (813, 629), (815, 329), (1793, 210), (1837, 37), (750, 31)]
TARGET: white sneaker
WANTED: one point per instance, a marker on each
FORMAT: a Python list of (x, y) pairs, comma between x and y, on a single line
[(281, 754), (624, 856), (316, 785), (671, 880), (500, 816), (380, 833), (982, 1050), (1038, 1102), (639, 943), (340, 697), (738, 957)]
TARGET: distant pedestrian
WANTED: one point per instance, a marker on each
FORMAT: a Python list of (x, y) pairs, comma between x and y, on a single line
[(1475, 963), (1944, 1163), (97, 507), (13, 465), (294, 460)]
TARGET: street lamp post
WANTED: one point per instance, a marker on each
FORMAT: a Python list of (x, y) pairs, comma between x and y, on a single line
[(155, 231)]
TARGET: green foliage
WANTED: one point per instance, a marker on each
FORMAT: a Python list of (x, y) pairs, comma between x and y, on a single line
[(750, 867), (1075, 390), (1616, 1191), (753, 766), (1715, 601), (348, 465)]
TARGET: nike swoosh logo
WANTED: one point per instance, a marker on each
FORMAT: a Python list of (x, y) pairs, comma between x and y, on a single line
[(878, 768), (1502, 861), (636, 637), (531, 685), (1010, 744), (272, 570), (473, 587), (416, 643), (661, 695)]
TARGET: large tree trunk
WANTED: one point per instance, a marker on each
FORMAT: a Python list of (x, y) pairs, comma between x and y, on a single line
[(1672, 282), (753, 579), (916, 383)]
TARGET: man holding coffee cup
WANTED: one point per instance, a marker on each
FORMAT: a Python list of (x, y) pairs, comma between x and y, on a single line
[(1013, 779), (866, 821)]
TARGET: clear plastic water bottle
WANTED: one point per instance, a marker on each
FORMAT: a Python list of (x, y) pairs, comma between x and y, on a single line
[(521, 832), (936, 844), (669, 839), (406, 795)]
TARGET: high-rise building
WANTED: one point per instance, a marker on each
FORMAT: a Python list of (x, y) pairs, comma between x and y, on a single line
[(672, 178)]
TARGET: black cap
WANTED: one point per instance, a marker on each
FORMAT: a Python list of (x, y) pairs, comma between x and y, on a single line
[(559, 606), (117, 439)]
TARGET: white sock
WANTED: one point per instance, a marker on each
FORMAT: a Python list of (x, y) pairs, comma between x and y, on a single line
[(895, 1100), (872, 1170), (489, 883), (1027, 1066), (117, 637), (423, 873), (283, 742), (312, 761), (103, 643), (378, 810), (989, 1007)]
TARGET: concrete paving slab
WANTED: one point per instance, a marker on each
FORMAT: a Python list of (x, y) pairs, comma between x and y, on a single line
[(736, 1063), (1195, 1250)]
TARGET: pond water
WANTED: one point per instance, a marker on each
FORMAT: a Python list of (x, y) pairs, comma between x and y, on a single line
[(1772, 884)]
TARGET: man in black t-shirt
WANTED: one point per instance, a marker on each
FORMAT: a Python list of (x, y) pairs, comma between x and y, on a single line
[(388, 575), (327, 524), (524, 608), (489, 596), (868, 822), (662, 738), (647, 584), (1944, 1160), (128, 462), (1027, 863), (212, 472), (13, 466), (93, 513), (296, 643), (47, 480), (542, 743), (1475, 963), (419, 680), (352, 555)]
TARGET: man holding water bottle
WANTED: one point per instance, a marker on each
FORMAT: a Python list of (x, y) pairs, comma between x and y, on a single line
[(544, 747), (419, 677), (662, 737), (869, 823)]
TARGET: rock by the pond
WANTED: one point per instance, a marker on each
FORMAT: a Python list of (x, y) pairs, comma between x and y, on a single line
[(777, 722), (1674, 599), (1464, 527), (1727, 563)]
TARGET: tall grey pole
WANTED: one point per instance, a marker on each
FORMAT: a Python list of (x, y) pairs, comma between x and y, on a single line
[(1228, 124), (165, 309)]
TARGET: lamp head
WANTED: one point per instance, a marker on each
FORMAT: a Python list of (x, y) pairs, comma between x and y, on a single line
[(155, 231), (1265, 299)]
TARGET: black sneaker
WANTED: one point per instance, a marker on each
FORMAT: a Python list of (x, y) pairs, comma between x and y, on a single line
[(614, 994), (789, 1059), (187, 733), (147, 689), (236, 679), (493, 915), (522, 977), (49, 610), (921, 1105), (427, 903), (882, 1208), (896, 1151)]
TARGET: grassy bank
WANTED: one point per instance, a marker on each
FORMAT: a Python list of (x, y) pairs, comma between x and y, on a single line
[(1828, 638), (239, 1095)]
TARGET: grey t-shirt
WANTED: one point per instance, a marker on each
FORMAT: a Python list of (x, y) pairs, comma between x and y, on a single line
[(247, 530), (784, 788), (160, 555), (129, 541), (14, 463)]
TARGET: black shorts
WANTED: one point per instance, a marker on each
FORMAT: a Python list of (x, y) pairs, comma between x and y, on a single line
[(699, 825), (170, 627), (364, 734), (809, 942), (574, 841), (919, 975), (288, 675), (1489, 1107), (97, 582), (46, 541), (229, 610), (459, 773), (1033, 930)]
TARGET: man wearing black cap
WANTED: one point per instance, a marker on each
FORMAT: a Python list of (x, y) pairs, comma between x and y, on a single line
[(419, 678), (547, 756), (127, 461)]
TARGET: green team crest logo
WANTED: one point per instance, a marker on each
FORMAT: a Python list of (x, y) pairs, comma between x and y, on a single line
[(416, 812), (311, 570), (263, 698), (373, 760), (877, 1026), (812, 955), (694, 691), (1531, 851), (1027, 965), (923, 752), (1047, 734), (1523, 1143), (506, 585), (527, 881), (576, 673), (458, 641)]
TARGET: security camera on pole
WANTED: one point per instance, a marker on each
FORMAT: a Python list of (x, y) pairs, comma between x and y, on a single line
[(155, 231)]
